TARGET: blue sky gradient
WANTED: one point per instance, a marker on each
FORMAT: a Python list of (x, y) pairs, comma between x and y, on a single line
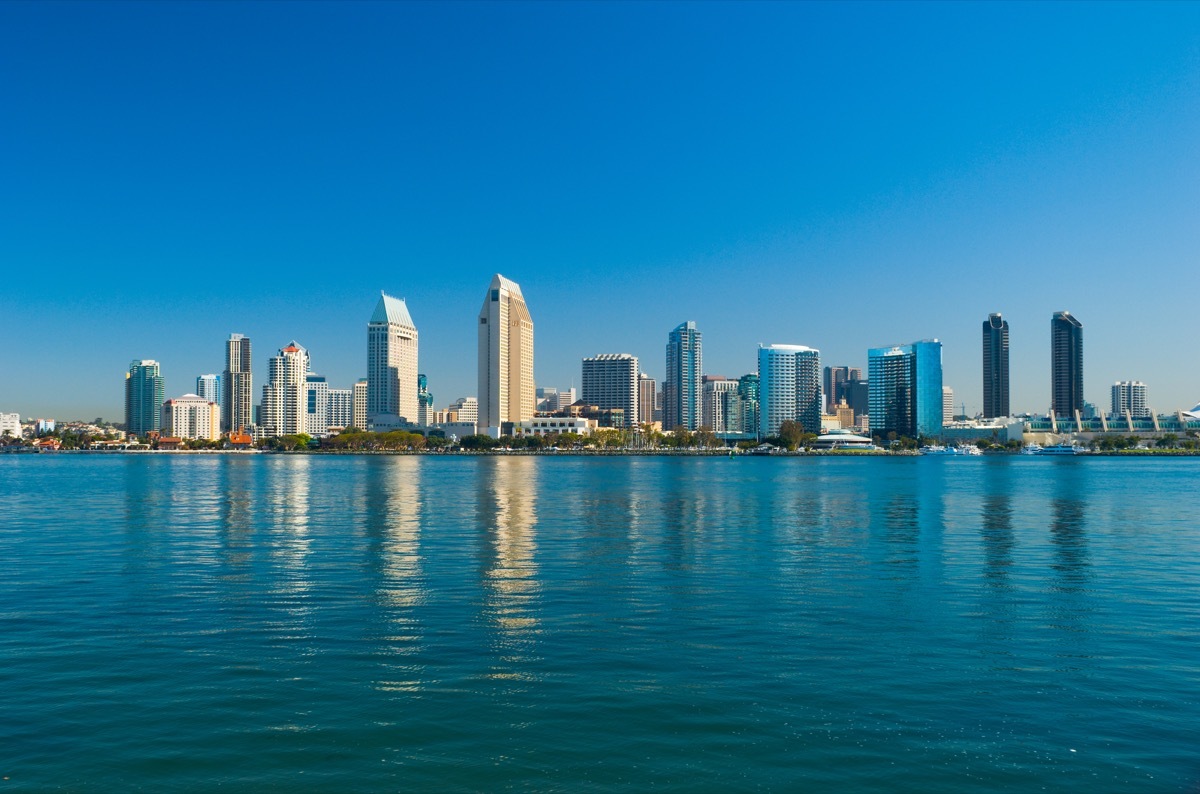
[(843, 176)]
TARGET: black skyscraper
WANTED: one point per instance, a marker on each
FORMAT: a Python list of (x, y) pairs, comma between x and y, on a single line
[(1066, 364), (995, 367)]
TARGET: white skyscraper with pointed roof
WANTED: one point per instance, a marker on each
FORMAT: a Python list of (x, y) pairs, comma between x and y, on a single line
[(506, 388), (391, 361), (283, 411)]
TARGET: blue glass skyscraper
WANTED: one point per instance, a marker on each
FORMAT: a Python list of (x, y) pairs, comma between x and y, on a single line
[(681, 388), (906, 389), (144, 395)]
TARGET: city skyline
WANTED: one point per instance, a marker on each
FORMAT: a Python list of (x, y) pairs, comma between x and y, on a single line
[(706, 174), (237, 346)]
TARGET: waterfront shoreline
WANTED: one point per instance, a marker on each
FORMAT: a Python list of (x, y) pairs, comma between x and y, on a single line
[(632, 453)]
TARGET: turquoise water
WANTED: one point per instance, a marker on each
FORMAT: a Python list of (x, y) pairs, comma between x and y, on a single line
[(307, 623)]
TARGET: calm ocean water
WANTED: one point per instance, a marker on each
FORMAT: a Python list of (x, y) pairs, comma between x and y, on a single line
[(306, 623)]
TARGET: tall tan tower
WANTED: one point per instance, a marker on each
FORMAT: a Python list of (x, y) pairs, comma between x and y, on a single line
[(506, 390)]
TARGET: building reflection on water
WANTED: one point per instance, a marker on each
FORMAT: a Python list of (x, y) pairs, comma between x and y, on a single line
[(399, 534), (235, 516), (285, 505), (395, 509), (1068, 523), (508, 497), (996, 525)]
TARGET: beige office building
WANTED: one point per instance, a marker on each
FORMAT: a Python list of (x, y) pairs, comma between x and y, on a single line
[(359, 409), (647, 396), (506, 388), (191, 416)]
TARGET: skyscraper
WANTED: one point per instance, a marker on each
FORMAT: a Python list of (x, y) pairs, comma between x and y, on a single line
[(947, 405), (681, 388), (237, 407), (610, 381), (209, 387), (906, 389), (789, 387), (341, 408), (316, 405), (358, 410), (1066, 364), (647, 389), (748, 388), (722, 412), (283, 411), (391, 361), (424, 402), (506, 387), (144, 392), (832, 379), (1129, 395), (995, 367)]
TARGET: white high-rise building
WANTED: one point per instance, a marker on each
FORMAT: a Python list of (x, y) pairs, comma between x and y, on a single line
[(283, 411), (316, 405), (722, 406), (391, 361), (1129, 395), (566, 398), (610, 381), (209, 387), (506, 387), (789, 387), (341, 408), (947, 405), (191, 416)]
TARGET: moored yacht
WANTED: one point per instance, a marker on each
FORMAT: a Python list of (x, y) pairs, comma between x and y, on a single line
[(1060, 449)]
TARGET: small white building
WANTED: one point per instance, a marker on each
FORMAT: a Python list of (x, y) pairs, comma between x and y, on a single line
[(456, 430), (550, 425), (11, 424)]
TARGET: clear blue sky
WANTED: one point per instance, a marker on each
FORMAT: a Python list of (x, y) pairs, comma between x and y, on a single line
[(841, 176)]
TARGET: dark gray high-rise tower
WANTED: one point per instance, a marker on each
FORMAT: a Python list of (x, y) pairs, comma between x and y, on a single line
[(995, 367), (1066, 364), (237, 385)]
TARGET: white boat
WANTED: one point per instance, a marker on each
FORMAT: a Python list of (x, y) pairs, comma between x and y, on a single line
[(937, 449), (1031, 449), (1060, 449)]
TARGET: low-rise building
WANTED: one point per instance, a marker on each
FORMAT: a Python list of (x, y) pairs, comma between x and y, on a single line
[(455, 431), (998, 430), (10, 424), (552, 425)]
